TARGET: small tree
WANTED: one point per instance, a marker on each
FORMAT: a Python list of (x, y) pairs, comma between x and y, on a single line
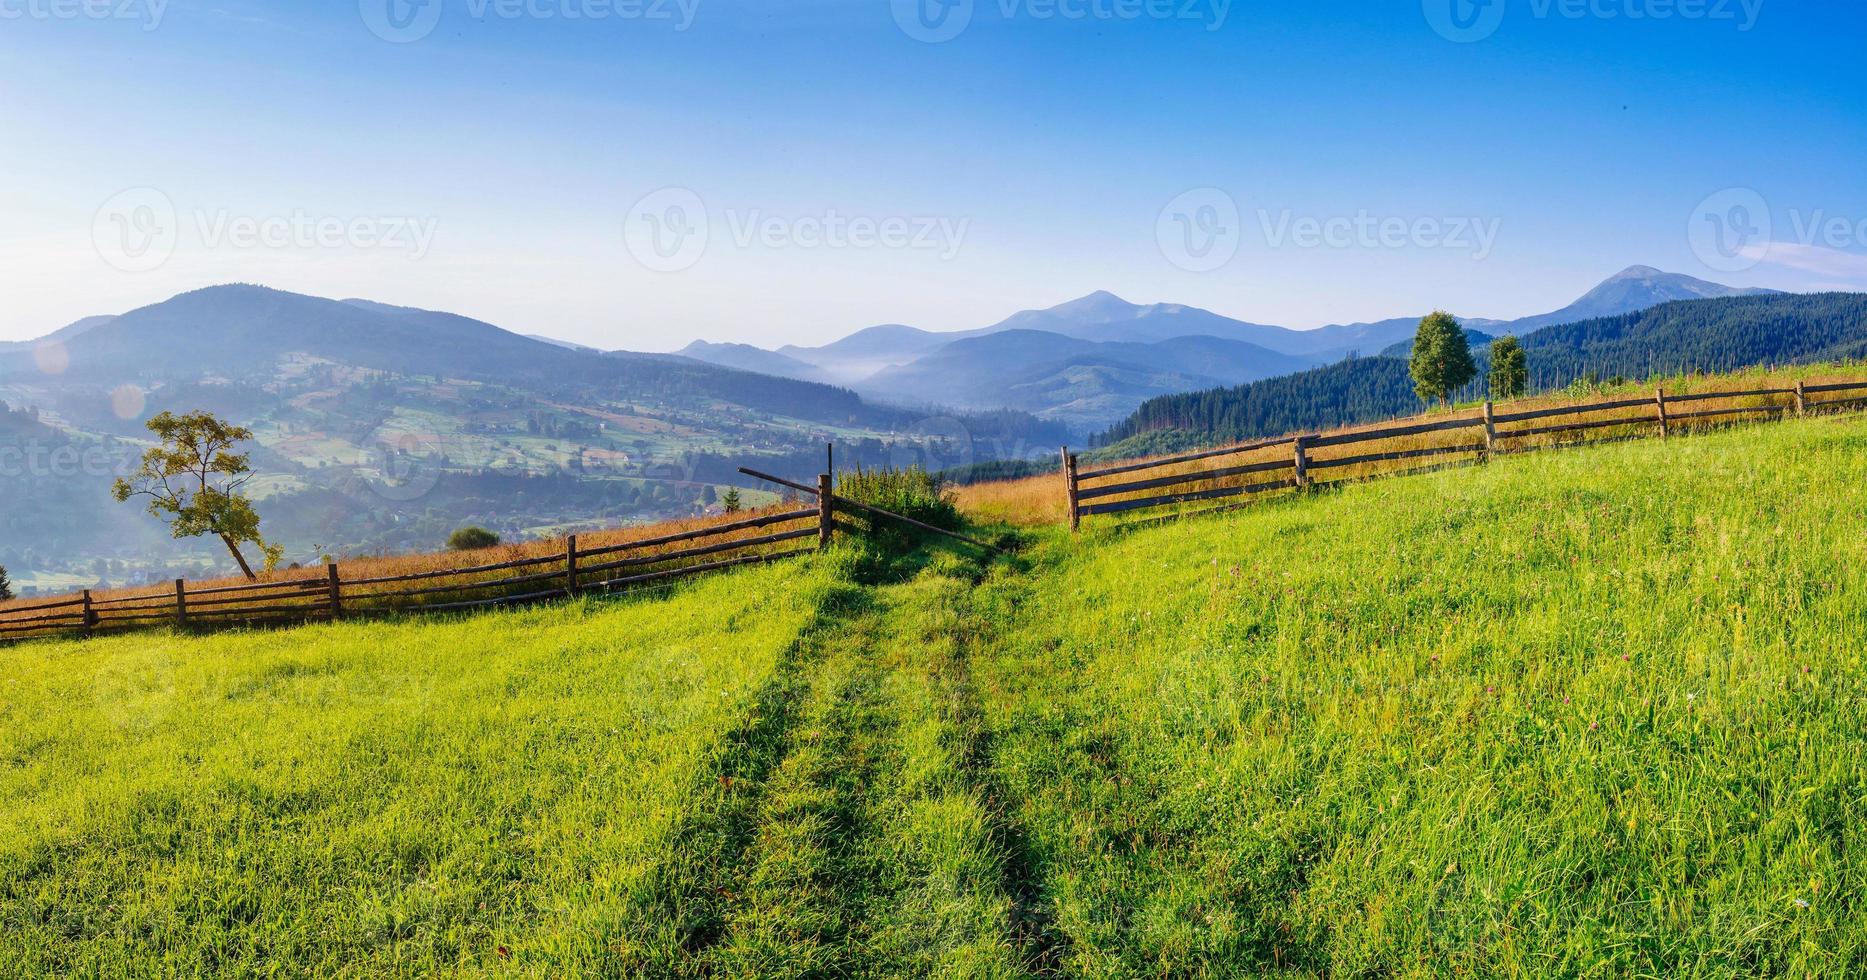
[(6, 585), (193, 480), (472, 539), (1442, 359), (1510, 369), (730, 501)]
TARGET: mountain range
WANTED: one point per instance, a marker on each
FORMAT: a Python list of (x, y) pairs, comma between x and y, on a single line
[(380, 427), (1085, 364), (245, 334), (1091, 361), (1716, 334)]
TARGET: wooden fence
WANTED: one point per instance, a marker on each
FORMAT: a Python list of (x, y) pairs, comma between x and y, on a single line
[(1295, 462), (328, 595)]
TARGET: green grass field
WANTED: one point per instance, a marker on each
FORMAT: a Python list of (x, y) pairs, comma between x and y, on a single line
[(1586, 713)]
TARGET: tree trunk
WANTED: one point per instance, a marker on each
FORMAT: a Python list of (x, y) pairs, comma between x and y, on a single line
[(244, 567)]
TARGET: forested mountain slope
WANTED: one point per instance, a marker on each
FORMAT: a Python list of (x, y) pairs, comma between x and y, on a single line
[(1709, 335)]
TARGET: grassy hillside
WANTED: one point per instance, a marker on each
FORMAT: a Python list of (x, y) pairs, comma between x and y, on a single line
[(1591, 712), (1585, 713), (379, 798)]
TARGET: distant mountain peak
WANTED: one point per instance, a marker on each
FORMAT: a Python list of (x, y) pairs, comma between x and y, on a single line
[(1634, 288), (745, 357), (1101, 302), (232, 289)]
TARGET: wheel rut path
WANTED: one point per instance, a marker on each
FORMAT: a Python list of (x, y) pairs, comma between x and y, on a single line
[(863, 833)]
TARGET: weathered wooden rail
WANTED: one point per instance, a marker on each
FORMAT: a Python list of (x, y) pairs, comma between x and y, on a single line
[(1291, 463), (828, 501), (328, 595)]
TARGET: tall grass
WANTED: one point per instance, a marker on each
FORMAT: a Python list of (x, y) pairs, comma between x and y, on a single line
[(1597, 713), (911, 492), (539, 793)]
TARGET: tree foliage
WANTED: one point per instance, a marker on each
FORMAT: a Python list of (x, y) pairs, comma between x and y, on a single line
[(193, 479), (6, 585), (1510, 369), (1442, 359), (472, 539), (730, 501)]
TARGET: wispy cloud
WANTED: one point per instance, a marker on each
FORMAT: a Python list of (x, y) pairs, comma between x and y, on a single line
[(1832, 265)]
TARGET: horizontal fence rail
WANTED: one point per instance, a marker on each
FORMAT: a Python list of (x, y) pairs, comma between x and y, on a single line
[(328, 595), (1088, 494)]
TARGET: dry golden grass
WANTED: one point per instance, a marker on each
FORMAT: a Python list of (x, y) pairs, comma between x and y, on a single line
[(1040, 500), (1026, 502)]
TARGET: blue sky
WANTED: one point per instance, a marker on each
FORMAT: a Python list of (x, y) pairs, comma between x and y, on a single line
[(1331, 162)]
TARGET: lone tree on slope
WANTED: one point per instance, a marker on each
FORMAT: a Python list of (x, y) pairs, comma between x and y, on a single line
[(193, 480), (1510, 369), (1442, 359)]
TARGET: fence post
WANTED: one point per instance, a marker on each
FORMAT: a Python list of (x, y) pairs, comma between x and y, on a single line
[(1660, 400), (1301, 455), (90, 615), (1071, 490), (570, 565), (826, 511), (181, 603), (1490, 432), (1802, 400), (335, 588)]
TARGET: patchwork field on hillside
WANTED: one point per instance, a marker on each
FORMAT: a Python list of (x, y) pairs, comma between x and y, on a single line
[(1597, 712)]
